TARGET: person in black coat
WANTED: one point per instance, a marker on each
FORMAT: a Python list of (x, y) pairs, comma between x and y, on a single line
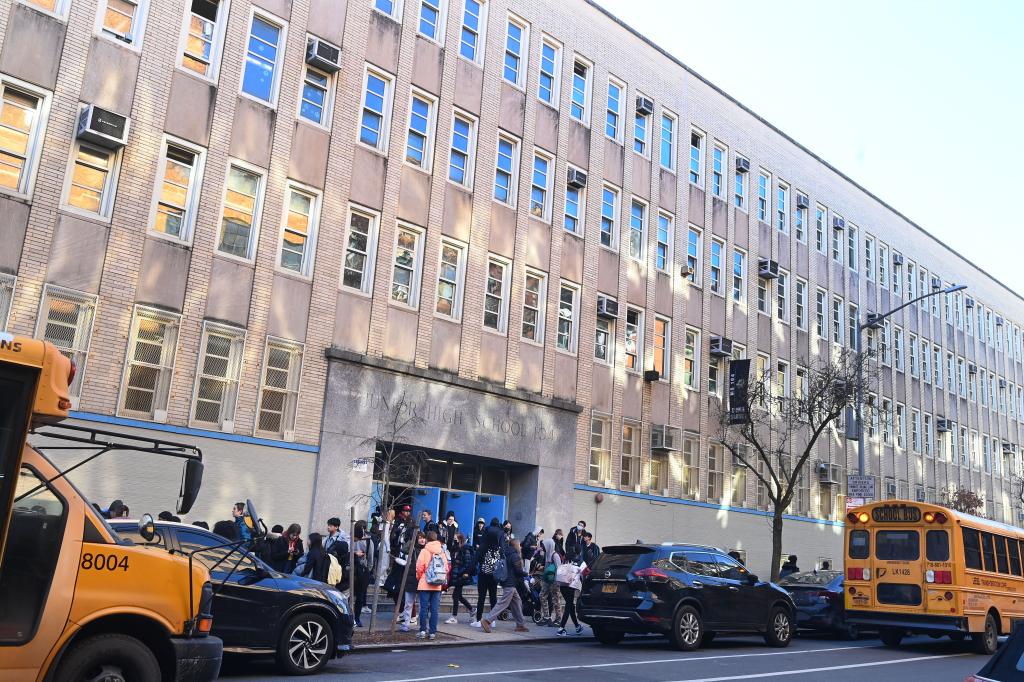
[(590, 550), (478, 532), (510, 598), (574, 540), (487, 552), (287, 549), (317, 563), (463, 569)]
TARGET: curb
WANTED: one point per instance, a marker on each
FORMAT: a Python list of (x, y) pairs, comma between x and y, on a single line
[(467, 642)]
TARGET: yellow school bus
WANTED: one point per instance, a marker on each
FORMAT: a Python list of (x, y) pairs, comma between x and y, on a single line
[(76, 601), (913, 567)]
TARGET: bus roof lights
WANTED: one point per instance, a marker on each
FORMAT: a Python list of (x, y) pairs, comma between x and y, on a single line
[(863, 517)]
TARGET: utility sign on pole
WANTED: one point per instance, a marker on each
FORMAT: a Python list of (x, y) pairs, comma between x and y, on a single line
[(860, 486)]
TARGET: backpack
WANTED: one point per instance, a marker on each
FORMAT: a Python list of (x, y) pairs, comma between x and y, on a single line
[(550, 571), (501, 569), (334, 573), (490, 560), (437, 572)]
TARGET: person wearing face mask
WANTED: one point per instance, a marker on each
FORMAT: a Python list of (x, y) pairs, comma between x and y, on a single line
[(574, 541), (449, 529), (507, 529), (478, 532), (590, 550)]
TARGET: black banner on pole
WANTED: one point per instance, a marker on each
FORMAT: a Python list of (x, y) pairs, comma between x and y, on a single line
[(739, 379)]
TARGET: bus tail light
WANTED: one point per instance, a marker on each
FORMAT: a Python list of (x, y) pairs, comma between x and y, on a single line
[(935, 517), (858, 517), (939, 577), (858, 574)]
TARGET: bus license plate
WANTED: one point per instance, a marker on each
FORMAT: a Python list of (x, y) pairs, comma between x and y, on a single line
[(609, 588)]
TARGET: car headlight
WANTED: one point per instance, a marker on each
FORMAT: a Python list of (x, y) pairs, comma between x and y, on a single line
[(338, 599)]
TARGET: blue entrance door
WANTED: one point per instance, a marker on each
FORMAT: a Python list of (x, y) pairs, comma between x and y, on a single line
[(425, 498), (376, 500), (464, 506), (490, 506)]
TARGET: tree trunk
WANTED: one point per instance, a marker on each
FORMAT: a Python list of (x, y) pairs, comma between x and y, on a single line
[(776, 542)]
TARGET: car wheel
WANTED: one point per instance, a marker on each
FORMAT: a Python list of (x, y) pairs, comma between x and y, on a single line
[(109, 657), (306, 645), (708, 637), (687, 629), (849, 631), (609, 637), (987, 641), (780, 627), (891, 637)]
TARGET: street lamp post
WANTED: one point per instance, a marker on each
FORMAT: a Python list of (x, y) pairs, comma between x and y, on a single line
[(874, 321)]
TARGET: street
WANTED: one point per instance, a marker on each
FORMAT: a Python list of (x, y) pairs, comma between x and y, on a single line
[(650, 659)]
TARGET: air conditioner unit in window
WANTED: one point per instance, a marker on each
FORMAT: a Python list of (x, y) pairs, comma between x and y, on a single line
[(577, 178), (943, 425), (936, 283), (742, 165), (685, 271), (825, 474), (664, 437), (1008, 448), (802, 201), (644, 105), (322, 55), (1002, 383), (897, 259), (920, 495), (890, 489), (838, 223), (651, 375), (972, 368), (737, 461), (969, 303), (999, 320), (102, 127), (768, 269), (721, 347), (607, 308)]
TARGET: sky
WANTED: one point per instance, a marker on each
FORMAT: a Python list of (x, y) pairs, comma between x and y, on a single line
[(922, 103)]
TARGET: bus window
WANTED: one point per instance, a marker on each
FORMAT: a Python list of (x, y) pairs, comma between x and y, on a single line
[(1001, 554), (936, 544), (17, 385), (1014, 556), (897, 545), (860, 544), (972, 548), (987, 552)]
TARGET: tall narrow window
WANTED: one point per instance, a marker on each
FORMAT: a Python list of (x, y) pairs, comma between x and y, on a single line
[(600, 467), (420, 140), (820, 312), (575, 204), (852, 321), (66, 320), (279, 393), (690, 475), (668, 141), (800, 303), (408, 266), (317, 95), (740, 183), (579, 109), (691, 359), (178, 190), (204, 36), (718, 156), (716, 473), (763, 304), (837, 244), (800, 223), (715, 266), (261, 74), (298, 239), (764, 183), (92, 180), (373, 128), (837, 321), (550, 67), (883, 266), (629, 472), (869, 258), (22, 115), (123, 20), (7, 282), (432, 20), (496, 294), (506, 171), (534, 300), (739, 276), (694, 255), (450, 275), (515, 39), (662, 346), (897, 348), (820, 218), (462, 151), (697, 157), (634, 339), (149, 364), (360, 250), (609, 216), (897, 283), (540, 190), (473, 17), (641, 134), (613, 112), (568, 316), (240, 220), (782, 296), (782, 208), (851, 247), (637, 229), (220, 365), (604, 341)]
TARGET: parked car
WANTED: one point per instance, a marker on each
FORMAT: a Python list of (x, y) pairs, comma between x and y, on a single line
[(819, 600), (258, 611), (691, 593), (1007, 663)]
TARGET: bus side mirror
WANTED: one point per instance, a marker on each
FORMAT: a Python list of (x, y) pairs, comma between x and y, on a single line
[(191, 482), (147, 528), (258, 529)]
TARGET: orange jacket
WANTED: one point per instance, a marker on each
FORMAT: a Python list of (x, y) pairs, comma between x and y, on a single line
[(426, 554)]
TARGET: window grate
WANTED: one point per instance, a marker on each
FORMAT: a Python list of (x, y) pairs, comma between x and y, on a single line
[(65, 320), (150, 363), (7, 282)]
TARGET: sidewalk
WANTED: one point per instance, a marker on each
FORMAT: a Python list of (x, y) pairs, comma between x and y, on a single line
[(502, 632)]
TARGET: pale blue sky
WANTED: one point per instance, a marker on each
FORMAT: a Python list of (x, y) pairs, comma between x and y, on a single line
[(920, 102)]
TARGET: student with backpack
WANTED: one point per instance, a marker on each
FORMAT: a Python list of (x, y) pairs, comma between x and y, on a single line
[(550, 601), (432, 572), (363, 550), (509, 572), (488, 553)]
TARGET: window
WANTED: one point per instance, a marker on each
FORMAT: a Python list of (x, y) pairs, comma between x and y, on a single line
[(926, 362), (540, 207), (640, 132), (92, 179), (715, 376), (820, 218), (915, 367), (900, 425), (762, 376), (391, 8), (915, 430), (220, 364), (261, 77), (718, 156), (690, 478), (408, 265), (634, 339), (883, 266), (506, 171), (177, 190), (800, 303), (659, 474), (604, 341), (609, 216), (739, 276), (450, 276), (662, 346), (123, 20), (496, 294), (474, 15), (420, 140), (579, 108), (937, 355), (666, 231), (240, 217), (516, 36), (58, 8), (694, 254), (869, 258), (781, 387), (150, 362), (568, 316), (782, 208), (897, 283), (782, 296), (800, 224), (764, 182), (462, 150), (7, 282), (763, 306), (851, 247), (697, 157), (550, 68), (22, 120), (820, 312), (360, 250), (575, 207), (837, 320), (740, 185), (432, 13), (600, 454), (837, 244), (203, 37), (373, 127), (65, 320), (716, 473), (929, 435), (317, 94), (534, 305), (299, 232), (629, 474), (912, 288), (637, 229), (668, 141), (717, 248), (691, 360), (279, 394), (613, 113), (897, 348)]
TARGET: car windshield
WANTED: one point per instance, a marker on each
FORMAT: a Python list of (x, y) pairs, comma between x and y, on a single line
[(810, 578)]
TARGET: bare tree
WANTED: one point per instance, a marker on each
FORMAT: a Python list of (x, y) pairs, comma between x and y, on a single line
[(781, 433), (964, 500), (396, 470)]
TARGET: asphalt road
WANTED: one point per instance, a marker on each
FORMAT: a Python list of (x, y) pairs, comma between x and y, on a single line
[(740, 658)]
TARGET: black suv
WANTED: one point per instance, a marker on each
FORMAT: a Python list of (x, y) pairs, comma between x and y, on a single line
[(688, 592), (258, 611)]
